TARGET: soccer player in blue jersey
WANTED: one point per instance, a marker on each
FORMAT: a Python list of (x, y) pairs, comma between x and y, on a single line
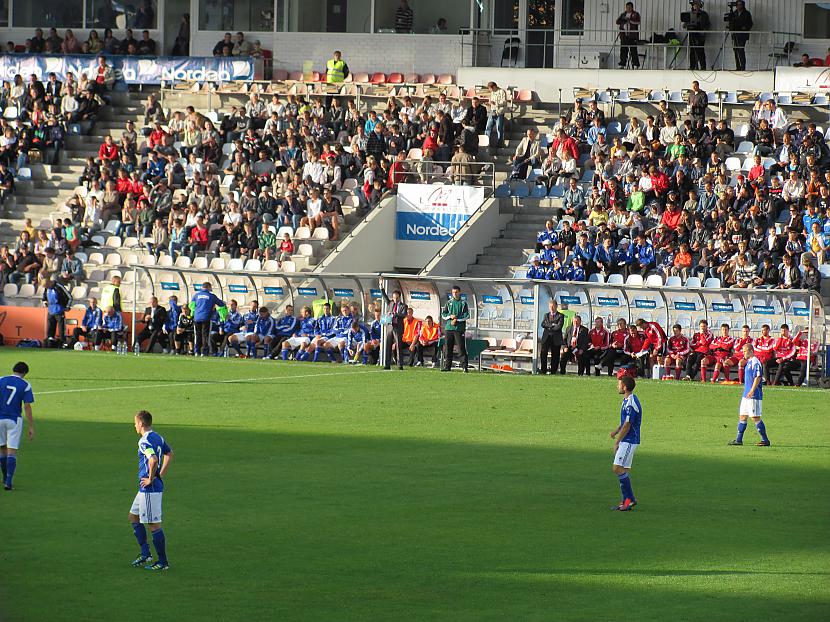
[(301, 340), (154, 458), (324, 332), (371, 351), (627, 440), (16, 397), (342, 327), (263, 331), (246, 331), (353, 342), (204, 302), (752, 397), (285, 328)]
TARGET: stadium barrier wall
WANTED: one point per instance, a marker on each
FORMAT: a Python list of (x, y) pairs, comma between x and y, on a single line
[(19, 323), (504, 309)]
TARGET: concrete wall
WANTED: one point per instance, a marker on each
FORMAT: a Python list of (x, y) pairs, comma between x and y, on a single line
[(476, 234), (548, 82), (363, 52)]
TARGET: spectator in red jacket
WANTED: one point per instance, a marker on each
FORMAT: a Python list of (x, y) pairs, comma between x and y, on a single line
[(156, 138), (563, 144), (397, 171), (616, 351), (783, 355), (123, 184), (678, 349), (701, 342), (108, 151), (599, 340), (672, 217), (633, 346), (659, 181), (198, 238)]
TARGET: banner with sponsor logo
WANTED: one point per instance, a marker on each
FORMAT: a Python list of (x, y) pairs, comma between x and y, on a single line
[(803, 79), (427, 213), (130, 69)]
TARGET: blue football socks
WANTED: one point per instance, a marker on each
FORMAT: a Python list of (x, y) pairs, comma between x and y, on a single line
[(3, 465), (625, 486), (762, 430), (741, 430), (141, 536), (11, 465), (159, 543), (345, 355), (285, 355)]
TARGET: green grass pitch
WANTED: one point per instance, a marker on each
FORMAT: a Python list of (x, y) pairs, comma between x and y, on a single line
[(322, 492)]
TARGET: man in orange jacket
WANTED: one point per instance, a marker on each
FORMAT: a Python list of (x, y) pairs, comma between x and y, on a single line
[(411, 328), (428, 337)]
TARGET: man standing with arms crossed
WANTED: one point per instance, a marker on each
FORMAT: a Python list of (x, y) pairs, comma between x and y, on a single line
[(495, 121), (154, 458), (16, 397), (455, 313), (396, 315)]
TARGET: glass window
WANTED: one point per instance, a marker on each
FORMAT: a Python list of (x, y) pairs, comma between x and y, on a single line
[(817, 20), (327, 15), (393, 16), (4, 13), (573, 17), (139, 15), (506, 14), (48, 13), (234, 15)]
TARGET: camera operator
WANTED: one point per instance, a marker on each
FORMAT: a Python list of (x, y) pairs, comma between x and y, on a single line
[(696, 22), (629, 23), (739, 21)]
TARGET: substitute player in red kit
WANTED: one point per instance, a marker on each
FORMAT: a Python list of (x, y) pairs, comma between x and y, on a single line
[(701, 342), (678, 349), (737, 356), (783, 353), (719, 351), (655, 340), (599, 340), (764, 345), (633, 346), (616, 351)]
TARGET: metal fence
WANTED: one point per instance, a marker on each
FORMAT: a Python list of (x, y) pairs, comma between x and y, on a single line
[(501, 309)]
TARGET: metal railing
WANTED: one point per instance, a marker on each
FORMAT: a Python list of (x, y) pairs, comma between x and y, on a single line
[(598, 49), (474, 173)]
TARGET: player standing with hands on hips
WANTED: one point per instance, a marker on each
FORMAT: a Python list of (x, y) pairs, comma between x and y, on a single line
[(752, 397), (627, 440), (154, 458), (455, 313), (15, 397)]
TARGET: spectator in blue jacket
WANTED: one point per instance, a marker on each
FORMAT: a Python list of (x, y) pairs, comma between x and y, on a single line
[(548, 233), (536, 270), (573, 201), (556, 272), (642, 256), (548, 254), (576, 271), (92, 322), (112, 328), (606, 257), (56, 299)]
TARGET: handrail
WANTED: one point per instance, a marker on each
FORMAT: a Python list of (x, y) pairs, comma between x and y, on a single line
[(481, 170), (550, 48)]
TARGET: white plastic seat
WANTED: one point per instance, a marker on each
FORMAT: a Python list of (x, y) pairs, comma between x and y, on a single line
[(253, 265), (112, 226), (746, 147), (712, 283), (10, 290), (693, 282), (96, 259), (615, 279), (283, 230), (217, 263), (236, 264), (634, 279), (182, 261), (148, 260), (130, 242), (99, 240), (307, 250), (113, 241), (302, 233), (320, 233), (200, 263), (271, 265), (654, 280), (114, 259), (733, 164), (27, 290), (165, 261), (673, 281), (289, 266)]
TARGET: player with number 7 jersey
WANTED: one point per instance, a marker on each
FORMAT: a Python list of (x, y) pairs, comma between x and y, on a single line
[(16, 396)]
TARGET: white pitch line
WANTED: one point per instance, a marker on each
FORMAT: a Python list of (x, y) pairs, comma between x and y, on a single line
[(202, 382)]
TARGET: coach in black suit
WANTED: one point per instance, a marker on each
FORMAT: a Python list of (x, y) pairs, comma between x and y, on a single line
[(155, 318), (396, 309), (551, 341), (576, 344)]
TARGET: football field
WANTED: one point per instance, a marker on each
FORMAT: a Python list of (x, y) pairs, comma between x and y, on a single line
[(325, 492)]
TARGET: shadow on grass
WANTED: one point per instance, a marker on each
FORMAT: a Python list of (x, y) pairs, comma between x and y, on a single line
[(338, 527)]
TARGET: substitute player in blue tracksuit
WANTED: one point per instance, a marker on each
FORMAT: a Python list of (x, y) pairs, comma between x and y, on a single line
[(204, 302), (324, 332), (302, 339), (231, 326), (627, 440), (264, 332), (286, 327)]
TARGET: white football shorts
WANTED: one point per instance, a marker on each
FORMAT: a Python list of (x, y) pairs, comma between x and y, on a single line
[(297, 341), (242, 336), (11, 431), (625, 455), (750, 407), (147, 506), (336, 342)]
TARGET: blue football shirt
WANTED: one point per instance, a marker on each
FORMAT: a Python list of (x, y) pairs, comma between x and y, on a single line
[(753, 370), (151, 444), (632, 412), (14, 392)]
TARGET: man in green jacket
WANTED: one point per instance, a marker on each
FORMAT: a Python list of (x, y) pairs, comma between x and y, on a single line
[(455, 313)]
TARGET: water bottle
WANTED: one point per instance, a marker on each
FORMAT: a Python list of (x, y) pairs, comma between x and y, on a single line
[(226, 353), (137, 348)]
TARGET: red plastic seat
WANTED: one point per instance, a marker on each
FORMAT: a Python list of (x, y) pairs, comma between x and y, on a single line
[(524, 96), (411, 78), (362, 77), (280, 75), (378, 78), (428, 78), (395, 78), (445, 79), (296, 76), (315, 76)]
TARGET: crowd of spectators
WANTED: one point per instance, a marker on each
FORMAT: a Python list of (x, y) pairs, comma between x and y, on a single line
[(69, 44), (676, 199)]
